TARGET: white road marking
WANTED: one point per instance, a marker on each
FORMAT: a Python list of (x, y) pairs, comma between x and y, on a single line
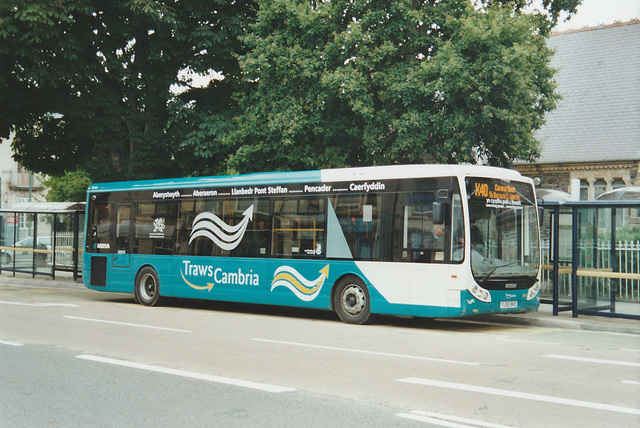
[(360, 351), (532, 342), (192, 375), (447, 420), (127, 324), (592, 360), (5, 342), (631, 382), (522, 395), (40, 305)]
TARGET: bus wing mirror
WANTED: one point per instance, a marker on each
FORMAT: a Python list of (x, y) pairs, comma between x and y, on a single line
[(439, 206), (438, 212), (444, 194)]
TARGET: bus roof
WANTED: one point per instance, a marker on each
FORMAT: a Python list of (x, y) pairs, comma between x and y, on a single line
[(387, 172)]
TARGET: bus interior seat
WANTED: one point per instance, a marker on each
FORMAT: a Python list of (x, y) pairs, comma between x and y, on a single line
[(364, 246)]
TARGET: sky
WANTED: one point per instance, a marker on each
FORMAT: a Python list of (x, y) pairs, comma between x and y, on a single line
[(594, 12)]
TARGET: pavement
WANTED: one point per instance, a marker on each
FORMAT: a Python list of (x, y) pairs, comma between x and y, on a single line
[(542, 318)]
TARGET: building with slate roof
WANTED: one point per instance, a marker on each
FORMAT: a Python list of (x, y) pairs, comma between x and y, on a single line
[(594, 134)]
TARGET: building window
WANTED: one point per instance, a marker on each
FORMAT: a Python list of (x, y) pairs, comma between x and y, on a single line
[(618, 183), (599, 187), (584, 190), (24, 220)]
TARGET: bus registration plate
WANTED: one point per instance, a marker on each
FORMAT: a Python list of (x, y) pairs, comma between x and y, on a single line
[(508, 304)]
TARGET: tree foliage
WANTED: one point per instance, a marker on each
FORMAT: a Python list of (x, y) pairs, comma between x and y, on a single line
[(70, 187), (307, 83), (392, 81), (87, 82)]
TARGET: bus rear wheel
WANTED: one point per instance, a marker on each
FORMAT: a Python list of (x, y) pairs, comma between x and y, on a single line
[(351, 301), (147, 287)]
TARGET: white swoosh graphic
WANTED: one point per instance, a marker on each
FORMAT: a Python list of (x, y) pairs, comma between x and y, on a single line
[(227, 237)]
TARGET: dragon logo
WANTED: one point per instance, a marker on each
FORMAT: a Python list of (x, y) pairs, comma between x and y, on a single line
[(158, 225)]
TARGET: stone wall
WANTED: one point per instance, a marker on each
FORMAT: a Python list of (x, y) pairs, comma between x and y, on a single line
[(597, 176)]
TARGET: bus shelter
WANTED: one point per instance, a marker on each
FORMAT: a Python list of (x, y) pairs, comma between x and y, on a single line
[(591, 257), (41, 238)]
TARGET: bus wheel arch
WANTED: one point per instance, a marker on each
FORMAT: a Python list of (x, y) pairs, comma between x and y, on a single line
[(350, 299), (147, 286)]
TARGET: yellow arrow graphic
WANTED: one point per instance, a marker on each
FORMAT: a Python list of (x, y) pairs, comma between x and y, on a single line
[(209, 285), (306, 290)]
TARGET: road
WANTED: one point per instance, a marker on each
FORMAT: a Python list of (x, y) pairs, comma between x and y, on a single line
[(76, 357)]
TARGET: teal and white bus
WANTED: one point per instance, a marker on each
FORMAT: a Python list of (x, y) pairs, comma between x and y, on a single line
[(411, 240)]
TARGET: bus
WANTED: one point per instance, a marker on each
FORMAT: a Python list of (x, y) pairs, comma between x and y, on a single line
[(408, 240)]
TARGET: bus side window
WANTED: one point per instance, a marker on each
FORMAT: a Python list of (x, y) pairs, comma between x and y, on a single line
[(359, 216), (154, 227), (255, 242), (457, 235), (123, 227), (100, 233), (298, 228), (424, 238), (248, 216), (421, 240)]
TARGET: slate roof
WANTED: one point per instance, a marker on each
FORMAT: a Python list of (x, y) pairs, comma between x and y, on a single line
[(598, 76)]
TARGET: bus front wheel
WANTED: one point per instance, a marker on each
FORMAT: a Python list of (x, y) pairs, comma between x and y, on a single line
[(147, 287), (351, 301)]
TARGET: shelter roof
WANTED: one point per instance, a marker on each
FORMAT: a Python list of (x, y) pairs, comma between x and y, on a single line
[(46, 207), (631, 193)]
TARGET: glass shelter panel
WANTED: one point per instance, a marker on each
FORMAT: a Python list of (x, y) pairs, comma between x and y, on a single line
[(7, 230), (43, 251), (63, 243), (23, 245), (548, 241), (608, 268)]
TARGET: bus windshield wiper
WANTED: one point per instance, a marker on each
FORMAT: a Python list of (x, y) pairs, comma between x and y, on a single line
[(495, 269)]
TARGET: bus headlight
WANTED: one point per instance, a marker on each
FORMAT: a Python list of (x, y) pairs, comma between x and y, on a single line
[(533, 291), (480, 293)]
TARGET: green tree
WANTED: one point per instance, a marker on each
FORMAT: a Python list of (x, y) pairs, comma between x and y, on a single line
[(71, 187), (87, 82), (307, 84), (348, 82)]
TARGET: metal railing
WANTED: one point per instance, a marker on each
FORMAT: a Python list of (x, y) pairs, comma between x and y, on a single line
[(627, 252)]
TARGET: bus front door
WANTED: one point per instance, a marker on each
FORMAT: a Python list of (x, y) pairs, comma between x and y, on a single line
[(122, 256)]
